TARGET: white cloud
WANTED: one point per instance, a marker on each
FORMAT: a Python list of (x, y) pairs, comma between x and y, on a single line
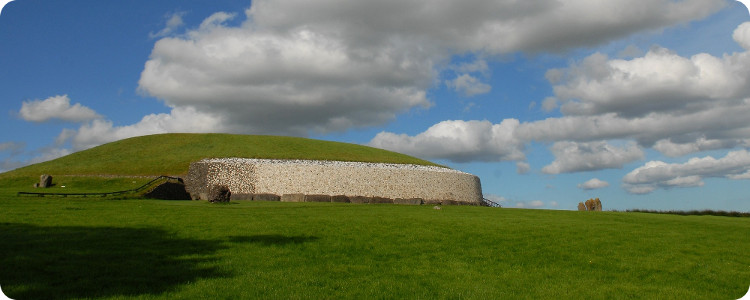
[(57, 107), (295, 67), (663, 101), (458, 141), (742, 35), (659, 82), (285, 83), (577, 157), (174, 23), (593, 183), (657, 174), (97, 132), (468, 85)]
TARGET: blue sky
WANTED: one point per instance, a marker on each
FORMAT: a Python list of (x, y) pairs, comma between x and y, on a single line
[(643, 104)]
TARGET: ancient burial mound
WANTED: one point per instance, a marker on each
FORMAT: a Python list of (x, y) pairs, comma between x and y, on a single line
[(332, 181), (323, 170)]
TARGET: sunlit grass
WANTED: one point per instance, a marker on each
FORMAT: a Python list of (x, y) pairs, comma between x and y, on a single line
[(171, 154), (74, 248)]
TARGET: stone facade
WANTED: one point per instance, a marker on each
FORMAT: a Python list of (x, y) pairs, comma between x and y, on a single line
[(333, 178)]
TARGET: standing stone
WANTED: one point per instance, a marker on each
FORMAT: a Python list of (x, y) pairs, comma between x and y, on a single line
[(219, 193), (45, 181), (581, 206), (597, 205)]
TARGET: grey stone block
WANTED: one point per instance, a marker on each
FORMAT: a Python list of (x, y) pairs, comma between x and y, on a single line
[(410, 201), (381, 200), (449, 202), (340, 199), (359, 199), (266, 197), (317, 198), (292, 198), (241, 197)]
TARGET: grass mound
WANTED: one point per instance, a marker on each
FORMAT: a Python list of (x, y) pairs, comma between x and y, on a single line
[(171, 154)]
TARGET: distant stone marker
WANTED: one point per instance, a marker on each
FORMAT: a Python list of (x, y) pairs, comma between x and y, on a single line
[(45, 181), (590, 205)]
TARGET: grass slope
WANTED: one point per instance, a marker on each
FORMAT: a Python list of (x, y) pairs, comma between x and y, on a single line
[(172, 154), (75, 248)]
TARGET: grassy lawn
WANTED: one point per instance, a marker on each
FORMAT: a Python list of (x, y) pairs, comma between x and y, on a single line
[(92, 248)]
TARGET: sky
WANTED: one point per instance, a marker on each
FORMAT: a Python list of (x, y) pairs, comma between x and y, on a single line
[(644, 104)]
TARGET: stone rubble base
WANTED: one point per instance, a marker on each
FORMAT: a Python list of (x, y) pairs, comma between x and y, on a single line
[(333, 181)]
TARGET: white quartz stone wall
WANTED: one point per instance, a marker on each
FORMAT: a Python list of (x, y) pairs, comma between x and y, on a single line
[(256, 176)]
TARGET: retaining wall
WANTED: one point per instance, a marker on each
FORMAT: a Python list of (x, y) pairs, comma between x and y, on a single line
[(307, 177)]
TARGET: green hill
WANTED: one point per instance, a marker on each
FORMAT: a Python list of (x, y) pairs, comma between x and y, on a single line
[(172, 154)]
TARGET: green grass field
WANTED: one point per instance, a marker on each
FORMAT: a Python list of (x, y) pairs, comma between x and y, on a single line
[(171, 154), (120, 249), (73, 248)]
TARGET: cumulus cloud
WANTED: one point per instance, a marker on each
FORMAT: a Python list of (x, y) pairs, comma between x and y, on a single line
[(577, 157), (295, 67), (468, 85), (676, 105), (57, 107), (593, 183), (97, 132), (660, 81), (459, 141), (657, 174)]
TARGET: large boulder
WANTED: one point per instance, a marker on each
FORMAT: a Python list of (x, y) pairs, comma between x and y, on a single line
[(219, 193), (45, 181)]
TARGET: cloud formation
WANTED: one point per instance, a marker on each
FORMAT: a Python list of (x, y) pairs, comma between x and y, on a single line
[(468, 85), (296, 67), (459, 141), (658, 174), (57, 107), (577, 157), (592, 184), (661, 100)]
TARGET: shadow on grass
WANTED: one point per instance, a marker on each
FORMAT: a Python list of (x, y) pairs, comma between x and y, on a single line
[(81, 262), (272, 239)]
